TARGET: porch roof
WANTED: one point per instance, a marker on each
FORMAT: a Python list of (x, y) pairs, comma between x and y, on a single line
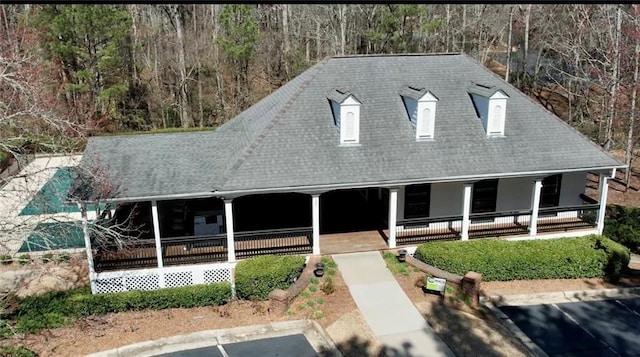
[(289, 140)]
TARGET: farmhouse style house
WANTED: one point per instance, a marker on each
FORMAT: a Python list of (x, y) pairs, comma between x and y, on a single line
[(356, 153)]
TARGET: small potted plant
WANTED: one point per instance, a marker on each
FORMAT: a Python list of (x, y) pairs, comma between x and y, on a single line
[(402, 255), (319, 270)]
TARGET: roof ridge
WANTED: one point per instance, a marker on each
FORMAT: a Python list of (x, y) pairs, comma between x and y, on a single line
[(414, 54), (263, 133)]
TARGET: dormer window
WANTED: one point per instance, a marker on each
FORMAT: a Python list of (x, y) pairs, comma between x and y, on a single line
[(421, 108), (346, 115), (491, 106)]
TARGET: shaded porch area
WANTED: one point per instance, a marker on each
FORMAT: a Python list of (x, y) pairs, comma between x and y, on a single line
[(195, 231), (498, 224)]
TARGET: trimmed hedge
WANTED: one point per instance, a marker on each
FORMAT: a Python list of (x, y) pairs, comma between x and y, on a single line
[(257, 277), (622, 224), (56, 309), (563, 258)]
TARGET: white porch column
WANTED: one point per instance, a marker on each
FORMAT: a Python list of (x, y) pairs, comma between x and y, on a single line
[(156, 232), (87, 244), (393, 215), (466, 210), (315, 218), (231, 244), (535, 206), (603, 187)]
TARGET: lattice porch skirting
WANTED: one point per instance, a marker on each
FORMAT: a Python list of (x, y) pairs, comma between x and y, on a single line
[(156, 278)]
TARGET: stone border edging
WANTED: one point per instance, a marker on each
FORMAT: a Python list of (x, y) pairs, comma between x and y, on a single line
[(280, 300), (315, 334)]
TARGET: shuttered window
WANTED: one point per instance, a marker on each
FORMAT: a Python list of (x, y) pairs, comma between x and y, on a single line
[(424, 126), (350, 128), (495, 124)]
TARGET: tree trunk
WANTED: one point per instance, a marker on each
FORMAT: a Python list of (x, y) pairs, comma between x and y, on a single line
[(196, 35), (525, 60), (506, 74), (286, 43), (342, 9), (632, 116), (464, 27), (185, 119), (614, 77), (448, 20)]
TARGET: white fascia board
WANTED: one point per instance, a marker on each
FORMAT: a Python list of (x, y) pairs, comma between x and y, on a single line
[(387, 184)]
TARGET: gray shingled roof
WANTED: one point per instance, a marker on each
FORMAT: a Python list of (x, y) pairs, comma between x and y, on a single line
[(289, 140)]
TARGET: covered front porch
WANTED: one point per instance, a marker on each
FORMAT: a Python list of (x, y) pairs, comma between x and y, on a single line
[(210, 230)]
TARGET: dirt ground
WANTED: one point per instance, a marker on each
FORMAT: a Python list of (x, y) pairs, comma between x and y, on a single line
[(618, 192), (338, 314), (467, 332)]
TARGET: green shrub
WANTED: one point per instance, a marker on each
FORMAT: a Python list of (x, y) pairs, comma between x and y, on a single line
[(564, 258), (62, 257), (5, 259), (256, 277), (54, 309), (24, 259), (622, 224), (16, 351), (46, 257), (617, 258)]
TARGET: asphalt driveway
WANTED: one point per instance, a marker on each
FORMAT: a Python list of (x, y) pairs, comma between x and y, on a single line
[(593, 328), (285, 346)]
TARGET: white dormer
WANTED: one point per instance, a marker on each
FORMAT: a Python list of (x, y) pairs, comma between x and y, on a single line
[(421, 108), (346, 113), (491, 106)]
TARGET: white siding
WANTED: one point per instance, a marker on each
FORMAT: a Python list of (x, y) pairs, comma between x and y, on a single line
[(514, 194), (446, 199), (573, 184)]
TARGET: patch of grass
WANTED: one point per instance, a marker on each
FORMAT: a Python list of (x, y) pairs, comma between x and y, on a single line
[(394, 265), (55, 309), (311, 303), (313, 288), (317, 314), (301, 307), (320, 301), (314, 280), (305, 294), (331, 272), (328, 287)]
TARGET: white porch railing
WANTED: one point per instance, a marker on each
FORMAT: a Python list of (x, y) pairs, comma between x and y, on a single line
[(156, 278)]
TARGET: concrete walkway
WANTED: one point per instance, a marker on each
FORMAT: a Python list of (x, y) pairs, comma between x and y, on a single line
[(386, 308)]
